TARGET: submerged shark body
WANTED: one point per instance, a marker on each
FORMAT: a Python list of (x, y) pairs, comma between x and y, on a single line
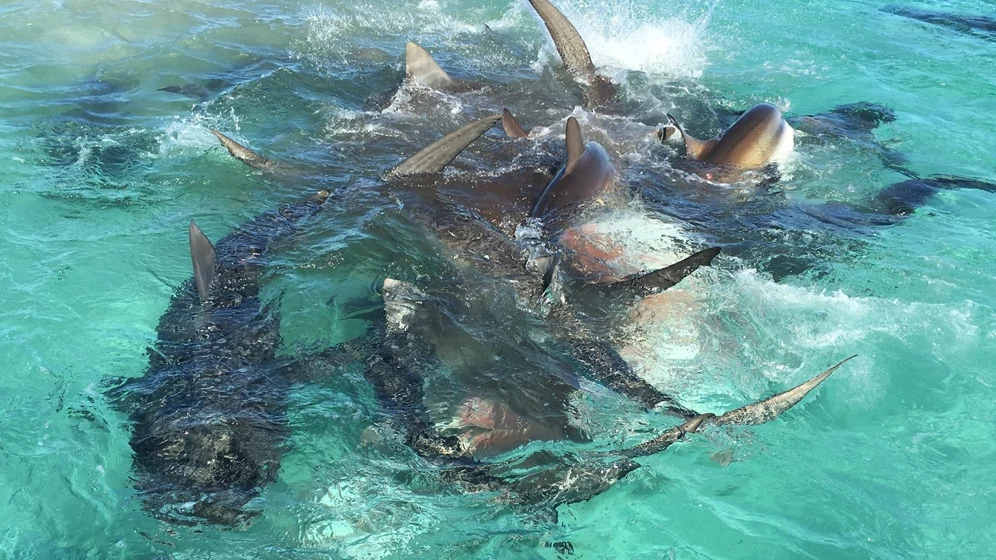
[(509, 392), (208, 424)]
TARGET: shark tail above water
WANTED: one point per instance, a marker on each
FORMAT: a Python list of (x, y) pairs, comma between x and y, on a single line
[(242, 153), (599, 92)]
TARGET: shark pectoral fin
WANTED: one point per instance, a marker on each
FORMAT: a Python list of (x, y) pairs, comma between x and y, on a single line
[(769, 409), (696, 149), (659, 280), (575, 145), (434, 157), (241, 153), (512, 128), (421, 67), (566, 38), (203, 257)]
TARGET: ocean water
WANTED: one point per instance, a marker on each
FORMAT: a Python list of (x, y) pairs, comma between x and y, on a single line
[(100, 173)]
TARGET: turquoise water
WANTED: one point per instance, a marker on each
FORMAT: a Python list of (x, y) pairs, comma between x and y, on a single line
[(890, 458)]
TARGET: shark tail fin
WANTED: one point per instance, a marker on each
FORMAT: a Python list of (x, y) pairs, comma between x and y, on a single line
[(659, 280), (203, 257), (434, 157), (769, 409), (696, 149), (421, 67), (511, 126), (575, 145), (565, 37), (242, 153)]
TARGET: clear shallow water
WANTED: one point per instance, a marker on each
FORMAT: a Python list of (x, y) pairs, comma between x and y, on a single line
[(891, 458)]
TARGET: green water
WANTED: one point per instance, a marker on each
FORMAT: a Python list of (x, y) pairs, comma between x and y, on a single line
[(101, 172)]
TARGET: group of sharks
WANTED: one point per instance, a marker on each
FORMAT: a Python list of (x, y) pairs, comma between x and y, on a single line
[(209, 415)]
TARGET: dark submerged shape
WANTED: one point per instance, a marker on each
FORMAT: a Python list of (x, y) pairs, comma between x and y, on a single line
[(979, 26), (208, 415), (411, 343)]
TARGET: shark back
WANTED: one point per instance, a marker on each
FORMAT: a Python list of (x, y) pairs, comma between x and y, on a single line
[(208, 415)]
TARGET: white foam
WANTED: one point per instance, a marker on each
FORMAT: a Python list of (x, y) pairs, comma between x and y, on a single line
[(186, 135), (623, 36)]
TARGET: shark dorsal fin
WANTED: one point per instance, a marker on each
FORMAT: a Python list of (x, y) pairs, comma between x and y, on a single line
[(421, 67), (242, 153), (696, 149), (511, 126), (434, 157), (203, 257), (659, 280), (575, 145), (565, 37)]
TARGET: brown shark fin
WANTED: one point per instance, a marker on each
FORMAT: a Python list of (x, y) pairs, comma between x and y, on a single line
[(511, 126), (575, 145), (434, 157), (769, 409), (696, 149), (421, 67), (566, 38), (656, 281), (203, 257), (242, 153)]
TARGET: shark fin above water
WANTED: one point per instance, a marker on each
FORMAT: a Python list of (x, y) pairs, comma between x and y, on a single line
[(422, 68), (599, 90), (241, 153), (566, 38), (587, 172), (203, 257), (511, 126), (575, 144), (434, 157), (647, 283)]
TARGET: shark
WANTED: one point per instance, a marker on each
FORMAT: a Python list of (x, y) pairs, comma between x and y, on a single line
[(208, 424), (527, 399)]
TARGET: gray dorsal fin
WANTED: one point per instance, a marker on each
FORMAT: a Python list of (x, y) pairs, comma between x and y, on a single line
[(696, 149), (512, 128), (575, 145), (242, 153), (768, 409), (203, 257), (434, 157), (565, 37), (421, 67), (648, 283)]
